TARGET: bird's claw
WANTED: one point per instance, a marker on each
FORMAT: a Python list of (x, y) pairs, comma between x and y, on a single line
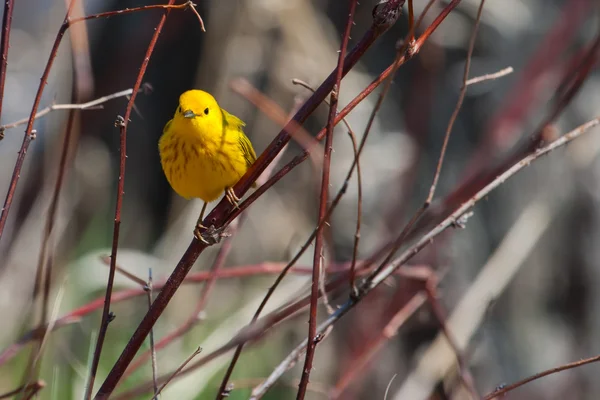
[(232, 198), (211, 235)]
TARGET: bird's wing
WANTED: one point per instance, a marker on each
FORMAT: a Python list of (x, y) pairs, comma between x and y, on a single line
[(249, 154), (233, 121), (237, 124)]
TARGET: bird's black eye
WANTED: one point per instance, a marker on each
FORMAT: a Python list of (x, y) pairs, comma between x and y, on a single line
[(179, 109), (206, 111)]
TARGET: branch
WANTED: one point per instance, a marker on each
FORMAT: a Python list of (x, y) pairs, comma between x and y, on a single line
[(499, 393), (488, 77), (122, 123), (318, 253), (461, 98), (94, 104), (4, 44)]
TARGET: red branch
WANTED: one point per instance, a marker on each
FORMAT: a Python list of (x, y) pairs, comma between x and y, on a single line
[(324, 196), (123, 124), (4, 44)]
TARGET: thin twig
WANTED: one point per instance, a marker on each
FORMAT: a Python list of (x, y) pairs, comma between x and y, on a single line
[(165, 7), (324, 197), (488, 77), (94, 104), (356, 163), (122, 123), (126, 274), (4, 44), (423, 14), (177, 371), (34, 387), (461, 98), (411, 22), (465, 375), (148, 289), (499, 393), (317, 388), (389, 385)]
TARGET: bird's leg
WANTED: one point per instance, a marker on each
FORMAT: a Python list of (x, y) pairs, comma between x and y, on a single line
[(211, 235), (199, 225), (232, 198)]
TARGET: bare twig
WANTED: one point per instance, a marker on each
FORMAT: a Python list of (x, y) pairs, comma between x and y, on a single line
[(148, 289), (488, 77), (499, 393), (6, 25), (90, 105), (165, 7), (352, 275), (465, 375), (423, 14), (127, 274), (33, 387), (389, 385), (317, 258), (178, 370), (461, 98), (356, 163), (122, 123)]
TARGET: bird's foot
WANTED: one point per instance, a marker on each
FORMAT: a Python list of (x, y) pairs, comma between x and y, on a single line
[(232, 197), (211, 235)]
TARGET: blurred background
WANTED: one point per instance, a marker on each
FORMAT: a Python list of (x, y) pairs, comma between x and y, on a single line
[(531, 246)]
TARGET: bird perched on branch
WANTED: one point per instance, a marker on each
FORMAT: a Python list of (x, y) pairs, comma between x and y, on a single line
[(204, 151)]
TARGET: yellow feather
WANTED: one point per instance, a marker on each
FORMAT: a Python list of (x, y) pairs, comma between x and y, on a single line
[(203, 149)]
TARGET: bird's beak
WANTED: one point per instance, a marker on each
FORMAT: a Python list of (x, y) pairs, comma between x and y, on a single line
[(188, 114)]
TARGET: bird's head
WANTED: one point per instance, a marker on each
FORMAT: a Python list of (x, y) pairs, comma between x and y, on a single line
[(199, 108)]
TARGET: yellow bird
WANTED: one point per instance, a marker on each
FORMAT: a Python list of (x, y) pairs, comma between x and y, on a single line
[(204, 151)]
